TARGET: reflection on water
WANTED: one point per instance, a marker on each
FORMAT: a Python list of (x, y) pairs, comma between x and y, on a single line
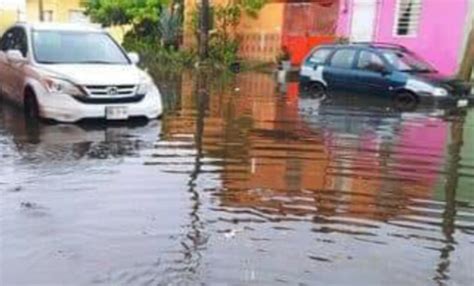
[(241, 183)]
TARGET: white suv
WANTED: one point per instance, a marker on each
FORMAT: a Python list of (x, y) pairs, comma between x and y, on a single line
[(68, 72)]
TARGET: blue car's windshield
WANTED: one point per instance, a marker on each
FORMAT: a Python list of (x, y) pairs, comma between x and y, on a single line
[(405, 61), (66, 47)]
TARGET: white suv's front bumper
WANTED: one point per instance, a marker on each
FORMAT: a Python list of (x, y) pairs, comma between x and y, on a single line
[(64, 108)]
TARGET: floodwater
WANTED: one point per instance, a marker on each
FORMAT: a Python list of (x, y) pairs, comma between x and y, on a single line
[(241, 183)]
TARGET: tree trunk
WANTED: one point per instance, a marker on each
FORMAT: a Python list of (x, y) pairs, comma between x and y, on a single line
[(204, 15), (41, 10)]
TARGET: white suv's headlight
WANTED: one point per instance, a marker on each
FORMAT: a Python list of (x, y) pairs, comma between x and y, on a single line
[(146, 85), (57, 85), (439, 91)]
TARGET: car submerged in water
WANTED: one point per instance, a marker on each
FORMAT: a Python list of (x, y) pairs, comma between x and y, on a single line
[(386, 70), (70, 72)]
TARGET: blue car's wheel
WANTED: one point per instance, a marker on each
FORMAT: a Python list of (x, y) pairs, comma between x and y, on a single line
[(405, 101), (317, 90)]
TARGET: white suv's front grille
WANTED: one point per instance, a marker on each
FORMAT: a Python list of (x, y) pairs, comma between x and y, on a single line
[(110, 90)]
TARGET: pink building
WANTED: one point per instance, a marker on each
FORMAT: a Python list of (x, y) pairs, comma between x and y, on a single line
[(435, 29)]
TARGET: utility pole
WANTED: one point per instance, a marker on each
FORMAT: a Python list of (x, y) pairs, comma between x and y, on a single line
[(203, 40), (40, 10)]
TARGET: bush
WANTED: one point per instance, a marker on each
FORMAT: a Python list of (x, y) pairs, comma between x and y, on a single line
[(152, 54), (223, 51)]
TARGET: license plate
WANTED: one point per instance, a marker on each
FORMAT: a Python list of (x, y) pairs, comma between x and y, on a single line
[(116, 112), (462, 102)]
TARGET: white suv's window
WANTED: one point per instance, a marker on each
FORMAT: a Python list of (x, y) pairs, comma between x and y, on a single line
[(15, 39), (66, 47), (7, 41)]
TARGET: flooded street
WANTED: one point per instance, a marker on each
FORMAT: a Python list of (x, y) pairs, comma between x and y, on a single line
[(242, 182)]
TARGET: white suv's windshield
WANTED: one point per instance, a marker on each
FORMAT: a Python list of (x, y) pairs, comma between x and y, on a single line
[(404, 61), (65, 47)]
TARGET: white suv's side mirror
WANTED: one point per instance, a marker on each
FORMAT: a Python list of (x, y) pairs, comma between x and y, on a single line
[(134, 57), (15, 56)]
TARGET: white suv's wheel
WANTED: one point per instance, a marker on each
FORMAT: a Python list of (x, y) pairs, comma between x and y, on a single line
[(31, 106)]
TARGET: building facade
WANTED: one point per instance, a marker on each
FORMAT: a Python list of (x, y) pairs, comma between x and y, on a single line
[(12, 11), (435, 29), (281, 24), (56, 11)]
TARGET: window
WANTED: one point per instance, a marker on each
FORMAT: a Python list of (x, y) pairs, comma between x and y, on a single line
[(54, 47), (370, 61), (407, 17), (21, 43), (7, 40), (404, 61), (15, 39), (48, 16), (319, 56), (343, 58)]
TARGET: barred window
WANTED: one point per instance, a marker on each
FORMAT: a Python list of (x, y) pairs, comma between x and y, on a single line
[(407, 17)]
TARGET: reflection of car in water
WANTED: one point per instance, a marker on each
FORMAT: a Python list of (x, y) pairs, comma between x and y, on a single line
[(389, 71), (363, 112), (89, 140)]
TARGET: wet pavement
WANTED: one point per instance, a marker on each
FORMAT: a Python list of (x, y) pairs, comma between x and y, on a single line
[(241, 183)]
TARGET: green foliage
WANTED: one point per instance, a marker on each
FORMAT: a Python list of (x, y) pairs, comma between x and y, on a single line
[(143, 15), (121, 12), (252, 7), (154, 55), (223, 50), (224, 43), (156, 30), (169, 28)]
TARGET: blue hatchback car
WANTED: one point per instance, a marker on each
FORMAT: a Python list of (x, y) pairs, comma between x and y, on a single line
[(379, 69)]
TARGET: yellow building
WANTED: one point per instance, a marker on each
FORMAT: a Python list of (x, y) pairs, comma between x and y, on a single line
[(56, 11), (7, 17), (64, 11), (260, 36), (10, 12)]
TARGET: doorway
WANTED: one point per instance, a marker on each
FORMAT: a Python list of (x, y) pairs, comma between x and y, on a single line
[(363, 20)]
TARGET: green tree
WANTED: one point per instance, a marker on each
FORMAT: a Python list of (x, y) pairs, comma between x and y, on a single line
[(224, 18), (143, 15)]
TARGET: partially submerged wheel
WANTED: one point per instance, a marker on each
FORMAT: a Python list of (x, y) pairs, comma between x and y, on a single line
[(31, 106), (317, 90), (406, 101)]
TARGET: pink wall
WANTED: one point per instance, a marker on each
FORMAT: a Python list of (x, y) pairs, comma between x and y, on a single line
[(343, 24), (439, 35)]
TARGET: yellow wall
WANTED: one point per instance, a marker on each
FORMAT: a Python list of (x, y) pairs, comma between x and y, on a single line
[(7, 18), (60, 9), (260, 37), (269, 20)]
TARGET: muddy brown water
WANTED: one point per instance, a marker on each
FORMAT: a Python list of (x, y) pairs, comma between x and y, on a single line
[(240, 183)]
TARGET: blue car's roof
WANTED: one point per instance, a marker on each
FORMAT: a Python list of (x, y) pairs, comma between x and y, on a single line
[(368, 45)]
